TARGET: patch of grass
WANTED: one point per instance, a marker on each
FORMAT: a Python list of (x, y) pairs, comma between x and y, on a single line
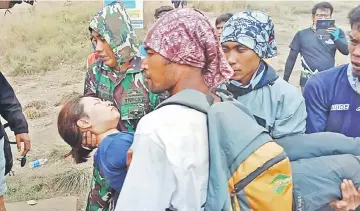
[(67, 83), (67, 97), (34, 113), (71, 180), (278, 9), (41, 40), (204, 5), (32, 188), (149, 10), (35, 109), (57, 177), (55, 155), (38, 104), (51, 34)]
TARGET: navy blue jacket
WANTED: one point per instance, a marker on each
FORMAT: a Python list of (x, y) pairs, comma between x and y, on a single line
[(10, 109), (332, 104)]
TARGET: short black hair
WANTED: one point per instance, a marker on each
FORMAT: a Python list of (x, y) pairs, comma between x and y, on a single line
[(223, 18), (354, 16), (323, 5)]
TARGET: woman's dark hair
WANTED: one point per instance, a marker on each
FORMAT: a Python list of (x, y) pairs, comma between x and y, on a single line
[(323, 5), (354, 16), (71, 112), (223, 18)]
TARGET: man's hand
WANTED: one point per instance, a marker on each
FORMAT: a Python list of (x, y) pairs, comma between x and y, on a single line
[(350, 197), (129, 155), (23, 137), (89, 140), (334, 32)]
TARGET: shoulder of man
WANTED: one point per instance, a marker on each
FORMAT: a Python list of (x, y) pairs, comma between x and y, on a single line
[(282, 86), (297, 39), (282, 90), (306, 31), (326, 79), (331, 74)]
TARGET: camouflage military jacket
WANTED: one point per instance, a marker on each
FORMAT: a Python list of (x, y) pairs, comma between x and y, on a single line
[(127, 90), (101, 196)]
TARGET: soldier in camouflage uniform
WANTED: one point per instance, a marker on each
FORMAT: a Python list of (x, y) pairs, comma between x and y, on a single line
[(120, 81), (122, 84)]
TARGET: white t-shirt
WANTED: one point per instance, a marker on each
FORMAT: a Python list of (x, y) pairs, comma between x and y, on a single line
[(170, 164)]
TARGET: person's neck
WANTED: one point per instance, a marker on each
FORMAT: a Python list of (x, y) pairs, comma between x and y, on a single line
[(313, 26), (101, 136), (195, 82), (356, 74), (122, 68), (247, 78)]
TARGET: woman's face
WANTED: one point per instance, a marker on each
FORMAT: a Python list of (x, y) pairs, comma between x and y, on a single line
[(101, 115)]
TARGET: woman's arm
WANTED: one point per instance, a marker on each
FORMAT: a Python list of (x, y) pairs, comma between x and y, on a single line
[(112, 156)]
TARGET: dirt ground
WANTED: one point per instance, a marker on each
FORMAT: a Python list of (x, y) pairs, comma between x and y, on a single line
[(42, 93)]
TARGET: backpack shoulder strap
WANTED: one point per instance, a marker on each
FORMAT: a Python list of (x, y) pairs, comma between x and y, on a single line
[(189, 98)]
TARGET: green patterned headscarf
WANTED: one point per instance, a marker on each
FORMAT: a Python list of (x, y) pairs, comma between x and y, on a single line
[(113, 24)]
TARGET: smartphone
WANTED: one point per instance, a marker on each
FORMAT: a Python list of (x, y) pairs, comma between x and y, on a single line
[(325, 24)]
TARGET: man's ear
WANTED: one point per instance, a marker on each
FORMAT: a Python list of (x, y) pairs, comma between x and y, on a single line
[(83, 123)]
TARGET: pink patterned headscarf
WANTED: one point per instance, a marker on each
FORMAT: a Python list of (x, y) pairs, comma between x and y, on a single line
[(185, 36)]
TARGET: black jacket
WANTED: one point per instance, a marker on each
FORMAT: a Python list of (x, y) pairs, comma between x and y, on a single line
[(10, 109)]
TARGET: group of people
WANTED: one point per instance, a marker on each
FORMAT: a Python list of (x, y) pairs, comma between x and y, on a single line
[(153, 155)]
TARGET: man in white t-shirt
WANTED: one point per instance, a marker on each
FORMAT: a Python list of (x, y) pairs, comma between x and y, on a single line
[(170, 162)]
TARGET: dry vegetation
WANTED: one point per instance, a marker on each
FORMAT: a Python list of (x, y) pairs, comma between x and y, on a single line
[(50, 36), (48, 39), (43, 52), (277, 9)]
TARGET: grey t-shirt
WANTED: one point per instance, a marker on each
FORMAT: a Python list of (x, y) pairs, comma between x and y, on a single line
[(317, 52)]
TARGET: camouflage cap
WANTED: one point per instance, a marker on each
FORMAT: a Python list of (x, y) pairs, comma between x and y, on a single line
[(114, 25)]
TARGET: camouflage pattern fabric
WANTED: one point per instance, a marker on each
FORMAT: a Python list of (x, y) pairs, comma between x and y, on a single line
[(126, 89), (101, 195), (114, 25)]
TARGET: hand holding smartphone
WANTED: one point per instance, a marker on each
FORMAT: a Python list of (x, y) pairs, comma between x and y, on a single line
[(325, 24), (324, 28)]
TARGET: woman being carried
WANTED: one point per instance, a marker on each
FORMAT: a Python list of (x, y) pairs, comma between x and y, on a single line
[(115, 76), (84, 114), (320, 175)]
